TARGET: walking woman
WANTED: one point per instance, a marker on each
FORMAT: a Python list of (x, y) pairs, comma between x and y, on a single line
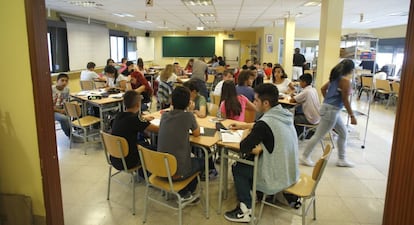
[(336, 93)]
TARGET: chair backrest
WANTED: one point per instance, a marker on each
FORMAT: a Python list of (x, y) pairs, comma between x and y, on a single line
[(367, 81), (158, 163), (73, 110), (115, 146), (210, 79), (216, 99), (395, 87), (249, 116), (87, 85), (99, 84), (383, 85), (128, 86), (212, 109), (220, 69), (321, 164)]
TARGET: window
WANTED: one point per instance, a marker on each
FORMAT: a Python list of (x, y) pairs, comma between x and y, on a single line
[(117, 48)]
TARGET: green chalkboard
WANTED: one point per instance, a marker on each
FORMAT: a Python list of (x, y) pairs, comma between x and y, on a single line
[(188, 46)]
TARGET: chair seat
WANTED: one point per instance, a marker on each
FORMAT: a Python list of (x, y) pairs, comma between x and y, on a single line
[(303, 187), (86, 121), (162, 182)]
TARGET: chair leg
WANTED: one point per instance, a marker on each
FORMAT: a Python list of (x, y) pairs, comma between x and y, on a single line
[(180, 209), (261, 207), (133, 193), (304, 212), (314, 208), (145, 204), (109, 182)]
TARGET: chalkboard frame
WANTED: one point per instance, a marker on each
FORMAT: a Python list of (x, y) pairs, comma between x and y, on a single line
[(184, 46)]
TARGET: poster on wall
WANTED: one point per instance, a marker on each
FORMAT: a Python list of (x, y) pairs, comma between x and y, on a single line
[(269, 48), (269, 38)]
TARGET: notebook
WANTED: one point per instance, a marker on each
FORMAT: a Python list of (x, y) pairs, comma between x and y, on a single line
[(231, 136)]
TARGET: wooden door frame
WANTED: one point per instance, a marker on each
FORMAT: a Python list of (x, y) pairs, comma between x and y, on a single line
[(46, 135)]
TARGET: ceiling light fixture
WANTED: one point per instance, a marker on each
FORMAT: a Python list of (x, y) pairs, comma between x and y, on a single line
[(85, 3), (205, 15), (123, 15), (145, 19), (398, 14), (312, 4), (164, 25), (197, 2)]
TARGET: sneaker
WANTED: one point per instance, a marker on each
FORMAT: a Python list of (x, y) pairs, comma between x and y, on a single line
[(307, 161), (212, 174), (240, 214), (186, 197), (344, 163)]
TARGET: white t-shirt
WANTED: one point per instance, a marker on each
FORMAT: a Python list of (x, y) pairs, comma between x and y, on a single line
[(88, 75), (284, 86), (110, 81), (309, 99), (217, 89)]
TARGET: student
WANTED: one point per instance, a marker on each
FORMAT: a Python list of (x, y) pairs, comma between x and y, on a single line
[(166, 82), (60, 95), (89, 73), (336, 93), (141, 85), (278, 163), (279, 78), (245, 82), (308, 111), (198, 104), (268, 70), (221, 61), (228, 75), (258, 74), (140, 66), (298, 62), (128, 124), (114, 80), (233, 106), (173, 138), (189, 67), (178, 70), (199, 74), (123, 65)]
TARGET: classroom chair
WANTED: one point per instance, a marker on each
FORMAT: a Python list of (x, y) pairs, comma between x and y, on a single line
[(212, 109), (367, 85), (117, 147), (215, 99), (87, 85), (162, 167), (249, 116), (395, 86), (80, 126), (383, 87), (210, 81), (312, 127), (304, 188)]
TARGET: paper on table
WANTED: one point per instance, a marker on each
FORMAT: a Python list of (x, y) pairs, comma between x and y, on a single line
[(155, 122), (119, 95), (231, 136), (201, 130)]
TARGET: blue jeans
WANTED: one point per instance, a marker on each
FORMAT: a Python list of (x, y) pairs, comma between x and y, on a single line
[(330, 118), (243, 181), (64, 123)]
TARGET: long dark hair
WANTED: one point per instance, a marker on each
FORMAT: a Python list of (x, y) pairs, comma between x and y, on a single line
[(140, 63), (278, 66), (231, 102), (112, 69), (341, 69)]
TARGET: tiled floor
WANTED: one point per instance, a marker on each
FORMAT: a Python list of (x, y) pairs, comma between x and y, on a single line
[(345, 196)]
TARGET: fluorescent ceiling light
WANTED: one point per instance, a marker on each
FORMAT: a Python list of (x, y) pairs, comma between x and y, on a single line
[(205, 15), (398, 14), (123, 15), (144, 21), (210, 21), (200, 28), (312, 3), (197, 2), (85, 3)]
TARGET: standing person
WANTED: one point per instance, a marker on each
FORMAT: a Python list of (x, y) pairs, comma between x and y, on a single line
[(128, 124), (174, 138), (60, 95), (298, 63), (233, 106), (336, 92), (228, 75), (278, 163), (89, 73), (200, 76), (308, 111)]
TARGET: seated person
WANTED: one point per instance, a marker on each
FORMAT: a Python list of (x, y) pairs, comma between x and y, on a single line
[(308, 111), (114, 80), (268, 70), (198, 104), (173, 138), (166, 82), (123, 66), (60, 95), (141, 85), (90, 73), (178, 70), (189, 67), (129, 125), (245, 81), (228, 75), (281, 80), (234, 106), (278, 163)]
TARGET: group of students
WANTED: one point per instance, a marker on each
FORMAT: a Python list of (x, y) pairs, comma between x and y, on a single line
[(274, 131)]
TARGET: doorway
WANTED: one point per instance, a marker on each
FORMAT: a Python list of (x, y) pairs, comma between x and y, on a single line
[(231, 53)]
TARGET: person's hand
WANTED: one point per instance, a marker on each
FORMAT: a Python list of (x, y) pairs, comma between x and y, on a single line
[(353, 120), (148, 117), (235, 126)]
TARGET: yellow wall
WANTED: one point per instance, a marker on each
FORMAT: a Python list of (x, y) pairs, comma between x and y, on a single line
[(390, 32), (19, 154)]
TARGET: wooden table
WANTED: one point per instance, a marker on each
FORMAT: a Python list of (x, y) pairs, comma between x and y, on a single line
[(104, 104)]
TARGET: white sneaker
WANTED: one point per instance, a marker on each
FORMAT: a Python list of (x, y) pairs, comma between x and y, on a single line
[(240, 214), (307, 161), (344, 163)]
